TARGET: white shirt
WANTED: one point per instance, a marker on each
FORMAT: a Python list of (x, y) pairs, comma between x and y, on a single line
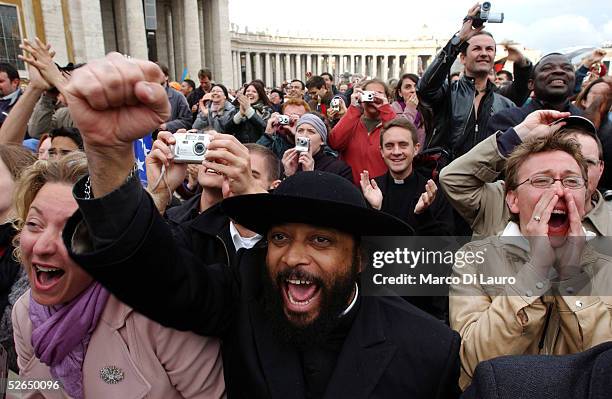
[(240, 241)]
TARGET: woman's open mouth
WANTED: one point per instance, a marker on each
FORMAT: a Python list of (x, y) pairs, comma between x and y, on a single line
[(46, 277)]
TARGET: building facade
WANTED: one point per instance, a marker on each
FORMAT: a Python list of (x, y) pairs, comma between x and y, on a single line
[(187, 35), (183, 34)]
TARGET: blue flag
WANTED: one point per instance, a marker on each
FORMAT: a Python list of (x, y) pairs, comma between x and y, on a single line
[(142, 147)]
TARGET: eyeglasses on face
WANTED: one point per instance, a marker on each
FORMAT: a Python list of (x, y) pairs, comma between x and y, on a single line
[(571, 182)]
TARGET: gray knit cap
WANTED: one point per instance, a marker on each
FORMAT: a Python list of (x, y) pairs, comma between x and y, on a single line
[(315, 122)]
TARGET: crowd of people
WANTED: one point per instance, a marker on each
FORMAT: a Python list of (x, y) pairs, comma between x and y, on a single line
[(237, 274)]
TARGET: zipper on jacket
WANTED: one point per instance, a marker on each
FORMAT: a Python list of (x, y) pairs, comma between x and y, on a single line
[(546, 323)]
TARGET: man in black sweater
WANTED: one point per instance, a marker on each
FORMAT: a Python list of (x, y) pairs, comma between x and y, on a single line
[(403, 192)]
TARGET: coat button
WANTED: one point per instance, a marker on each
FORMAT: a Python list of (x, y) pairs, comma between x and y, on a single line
[(529, 293), (539, 285), (579, 304)]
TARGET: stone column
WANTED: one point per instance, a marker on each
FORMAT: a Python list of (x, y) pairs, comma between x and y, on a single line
[(277, 70), (298, 66), (374, 66), (170, 42), (221, 42), (341, 68), (319, 64), (385, 68), (249, 68), (137, 36), (329, 64), (308, 63), (351, 64), (234, 78), (238, 70), (191, 40), (86, 25), (362, 61), (268, 65), (396, 67), (288, 67), (258, 74)]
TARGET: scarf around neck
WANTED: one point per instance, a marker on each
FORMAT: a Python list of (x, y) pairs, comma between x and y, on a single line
[(60, 335)]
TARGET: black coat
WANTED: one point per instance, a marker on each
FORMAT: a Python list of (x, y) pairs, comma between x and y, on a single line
[(207, 232), (511, 117), (437, 220), (392, 349), (585, 375), (325, 162)]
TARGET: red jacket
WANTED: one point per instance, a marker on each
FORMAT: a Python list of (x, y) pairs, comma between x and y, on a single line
[(357, 147)]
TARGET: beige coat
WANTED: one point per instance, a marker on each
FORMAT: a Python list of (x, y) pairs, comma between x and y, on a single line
[(157, 362), (510, 319), (472, 188)]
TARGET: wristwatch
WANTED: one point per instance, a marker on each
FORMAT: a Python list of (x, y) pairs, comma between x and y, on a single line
[(455, 40)]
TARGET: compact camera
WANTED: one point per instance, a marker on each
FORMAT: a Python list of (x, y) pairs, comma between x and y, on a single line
[(284, 120), (487, 16), (367, 96), (335, 104), (302, 144), (190, 147)]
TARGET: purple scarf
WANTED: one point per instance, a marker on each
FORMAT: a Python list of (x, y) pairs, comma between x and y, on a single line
[(60, 335)]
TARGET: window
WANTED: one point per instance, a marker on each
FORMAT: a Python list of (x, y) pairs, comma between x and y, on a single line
[(10, 36)]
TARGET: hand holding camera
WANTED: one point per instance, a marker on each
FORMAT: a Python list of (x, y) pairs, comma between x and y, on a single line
[(163, 175), (228, 156), (468, 29)]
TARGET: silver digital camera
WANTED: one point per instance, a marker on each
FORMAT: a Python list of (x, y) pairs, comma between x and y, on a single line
[(486, 15), (367, 96), (302, 144), (284, 120), (190, 147), (335, 104)]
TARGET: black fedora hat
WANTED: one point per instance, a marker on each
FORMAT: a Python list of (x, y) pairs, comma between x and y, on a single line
[(315, 198)]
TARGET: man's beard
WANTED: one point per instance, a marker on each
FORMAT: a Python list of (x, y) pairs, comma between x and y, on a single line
[(334, 300)]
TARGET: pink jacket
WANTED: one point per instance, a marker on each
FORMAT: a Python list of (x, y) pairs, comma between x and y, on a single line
[(157, 362)]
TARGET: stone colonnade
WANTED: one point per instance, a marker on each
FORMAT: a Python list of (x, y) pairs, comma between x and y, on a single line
[(276, 67)]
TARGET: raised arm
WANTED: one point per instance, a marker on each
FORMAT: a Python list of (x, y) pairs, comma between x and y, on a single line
[(15, 126), (433, 86)]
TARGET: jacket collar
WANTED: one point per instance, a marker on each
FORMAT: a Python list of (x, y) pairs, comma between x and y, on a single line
[(185, 212), (212, 221), (115, 313), (599, 216)]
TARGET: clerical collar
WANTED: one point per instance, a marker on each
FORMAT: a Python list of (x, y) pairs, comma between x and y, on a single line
[(404, 181)]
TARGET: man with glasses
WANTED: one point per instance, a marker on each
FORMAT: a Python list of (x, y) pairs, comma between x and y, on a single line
[(471, 181), (536, 286)]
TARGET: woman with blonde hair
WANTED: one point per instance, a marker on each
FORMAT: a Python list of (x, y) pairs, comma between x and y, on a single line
[(72, 336), (13, 282)]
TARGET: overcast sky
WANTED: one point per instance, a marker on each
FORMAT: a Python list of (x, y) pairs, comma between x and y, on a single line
[(546, 25)]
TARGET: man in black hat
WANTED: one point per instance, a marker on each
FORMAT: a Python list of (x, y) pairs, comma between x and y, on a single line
[(292, 319)]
